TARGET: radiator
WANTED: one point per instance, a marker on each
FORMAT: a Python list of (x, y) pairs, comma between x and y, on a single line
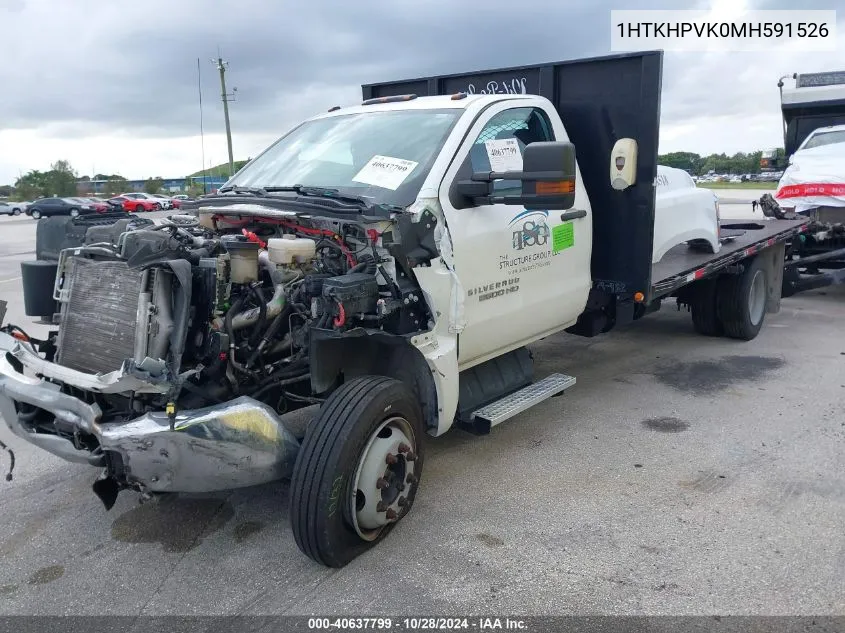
[(97, 331)]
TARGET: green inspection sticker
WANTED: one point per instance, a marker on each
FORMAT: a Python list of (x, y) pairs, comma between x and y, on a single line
[(563, 236)]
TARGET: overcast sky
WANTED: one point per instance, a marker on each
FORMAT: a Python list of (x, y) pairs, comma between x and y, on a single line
[(112, 86)]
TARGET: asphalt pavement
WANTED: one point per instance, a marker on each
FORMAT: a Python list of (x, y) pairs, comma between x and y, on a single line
[(681, 475)]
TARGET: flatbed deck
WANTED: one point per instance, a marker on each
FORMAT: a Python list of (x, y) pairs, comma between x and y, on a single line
[(682, 264)]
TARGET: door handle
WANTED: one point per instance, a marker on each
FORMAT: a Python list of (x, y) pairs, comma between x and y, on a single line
[(573, 215)]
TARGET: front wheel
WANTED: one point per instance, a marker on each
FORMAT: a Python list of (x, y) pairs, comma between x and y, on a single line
[(36, 214), (16, 211), (74, 213), (358, 469)]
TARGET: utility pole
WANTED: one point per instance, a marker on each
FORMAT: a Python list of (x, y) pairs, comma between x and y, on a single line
[(226, 98)]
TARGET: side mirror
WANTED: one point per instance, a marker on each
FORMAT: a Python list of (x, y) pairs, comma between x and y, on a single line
[(548, 179)]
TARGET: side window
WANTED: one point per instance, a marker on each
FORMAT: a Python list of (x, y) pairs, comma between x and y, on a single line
[(526, 125)]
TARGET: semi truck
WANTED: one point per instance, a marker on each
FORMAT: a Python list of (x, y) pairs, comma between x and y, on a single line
[(374, 277)]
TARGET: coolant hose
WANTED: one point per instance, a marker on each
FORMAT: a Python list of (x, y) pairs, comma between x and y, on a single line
[(276, 276), (239, 302), (366, 264), (262, 314), (271, 332), (249, 317)]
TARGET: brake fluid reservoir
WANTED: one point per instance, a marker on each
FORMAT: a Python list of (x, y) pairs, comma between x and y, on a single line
[(243, 256), (290, 249)]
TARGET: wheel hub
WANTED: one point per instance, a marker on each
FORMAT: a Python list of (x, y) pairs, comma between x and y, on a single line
[(384, 478)]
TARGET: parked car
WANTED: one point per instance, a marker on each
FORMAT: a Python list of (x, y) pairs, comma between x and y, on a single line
[(157, 204), (134, 205), (12, 208), (166, 201), (99, 207), (182, 197), (58, 206)]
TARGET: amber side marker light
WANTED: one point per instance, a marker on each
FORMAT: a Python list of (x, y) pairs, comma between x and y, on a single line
[(639, 297), (555, 186)]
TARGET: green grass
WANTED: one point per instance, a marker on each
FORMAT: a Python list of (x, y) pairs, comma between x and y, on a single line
[(219, 171), (738, 185)]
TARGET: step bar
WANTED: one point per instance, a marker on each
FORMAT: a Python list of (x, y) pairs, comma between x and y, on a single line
[(515, 403)]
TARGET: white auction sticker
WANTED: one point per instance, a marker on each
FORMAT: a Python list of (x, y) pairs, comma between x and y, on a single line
[(504, 155), (385, 172)]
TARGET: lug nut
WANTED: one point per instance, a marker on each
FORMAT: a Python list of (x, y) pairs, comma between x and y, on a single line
[(404, 448), (381, 507), (391, 459), (382, 483), (401, 501), (411, 456), (391, 514), (411, 479)]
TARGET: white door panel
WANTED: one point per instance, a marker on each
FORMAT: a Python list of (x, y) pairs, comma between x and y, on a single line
[(517, 285)]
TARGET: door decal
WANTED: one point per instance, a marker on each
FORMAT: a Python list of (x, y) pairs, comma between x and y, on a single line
[(531, 246)]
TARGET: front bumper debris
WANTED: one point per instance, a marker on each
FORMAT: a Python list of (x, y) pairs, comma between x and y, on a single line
[(240, 443)]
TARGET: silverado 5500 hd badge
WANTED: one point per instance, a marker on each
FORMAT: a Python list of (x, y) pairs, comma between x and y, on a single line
[(494, 290)]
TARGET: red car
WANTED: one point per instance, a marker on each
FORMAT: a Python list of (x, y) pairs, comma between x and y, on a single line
[(97, 205), (134, 205), (152, 204)]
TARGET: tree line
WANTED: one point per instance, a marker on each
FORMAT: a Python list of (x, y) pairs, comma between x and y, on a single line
[(697, 165), (63, 180)]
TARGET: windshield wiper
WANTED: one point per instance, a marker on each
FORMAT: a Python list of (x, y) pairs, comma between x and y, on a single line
[(256, 191), (311, 191), (326, 192)]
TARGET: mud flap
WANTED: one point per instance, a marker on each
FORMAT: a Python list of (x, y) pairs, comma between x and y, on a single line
[(107, 489)]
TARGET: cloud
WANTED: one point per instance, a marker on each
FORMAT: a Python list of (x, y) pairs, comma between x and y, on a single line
[(115, 84)]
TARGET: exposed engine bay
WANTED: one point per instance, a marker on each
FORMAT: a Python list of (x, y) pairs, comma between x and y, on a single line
[(204, 326)]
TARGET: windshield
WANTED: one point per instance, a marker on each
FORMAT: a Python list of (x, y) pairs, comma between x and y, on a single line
[(382, 156), (825, 138)]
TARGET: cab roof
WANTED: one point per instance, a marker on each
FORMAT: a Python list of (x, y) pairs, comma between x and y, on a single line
[(424, 103)]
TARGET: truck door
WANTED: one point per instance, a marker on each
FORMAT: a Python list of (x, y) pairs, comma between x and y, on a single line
[(522, 278)]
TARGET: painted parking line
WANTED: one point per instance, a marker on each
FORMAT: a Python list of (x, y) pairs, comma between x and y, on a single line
[(2, 281)]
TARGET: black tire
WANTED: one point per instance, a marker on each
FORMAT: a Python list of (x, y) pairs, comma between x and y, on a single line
[(35, 214), (325, 469), (74, 213), (16, 211), (737, 301), (705, 320)]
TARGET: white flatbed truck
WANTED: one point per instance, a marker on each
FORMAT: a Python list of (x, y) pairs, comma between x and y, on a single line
[(386, 264)]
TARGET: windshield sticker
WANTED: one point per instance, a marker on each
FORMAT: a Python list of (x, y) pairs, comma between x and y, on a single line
[(385, 172), (504, 154), (563, 236)]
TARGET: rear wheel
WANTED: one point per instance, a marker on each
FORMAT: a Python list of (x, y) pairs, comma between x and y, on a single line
[(358, 469), (74, 213), (16, 211), (705, 320), (741, 301)]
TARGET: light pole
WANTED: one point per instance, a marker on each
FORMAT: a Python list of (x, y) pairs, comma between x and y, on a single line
[(226, 98)]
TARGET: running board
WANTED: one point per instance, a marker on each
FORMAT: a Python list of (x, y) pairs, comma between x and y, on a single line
[(518, 401)]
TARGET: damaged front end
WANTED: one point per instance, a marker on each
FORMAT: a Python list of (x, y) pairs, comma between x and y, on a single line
[(186, 352), (239, 443)]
